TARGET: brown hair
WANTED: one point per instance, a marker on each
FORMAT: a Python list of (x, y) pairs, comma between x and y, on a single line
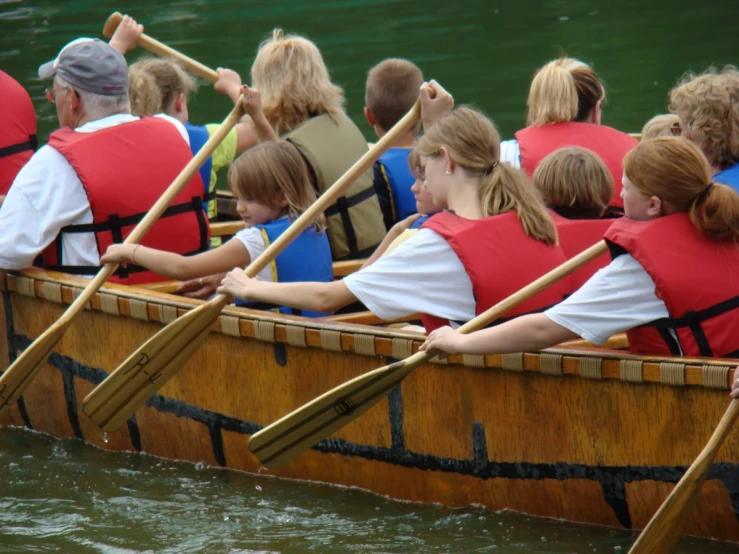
[(659, 126), (473, 144), (146, 98), (170, 78), (271, 170), (293, 80), (391, 90), (575, 183), (563, 90), (414, 161), (704, 105), (675, 170)]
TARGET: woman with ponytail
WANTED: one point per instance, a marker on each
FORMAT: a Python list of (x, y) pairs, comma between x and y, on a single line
[(564, 110), (494, 237), (673, 284)]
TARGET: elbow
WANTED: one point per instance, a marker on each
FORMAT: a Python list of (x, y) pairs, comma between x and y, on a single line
[(180, 270), (326, 302)]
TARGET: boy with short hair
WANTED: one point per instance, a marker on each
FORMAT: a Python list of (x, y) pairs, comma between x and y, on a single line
[(392, 89)]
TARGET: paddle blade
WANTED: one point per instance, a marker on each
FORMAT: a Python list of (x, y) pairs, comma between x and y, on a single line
[(296, 432), (127, 388), (663, 531), (21, 372)]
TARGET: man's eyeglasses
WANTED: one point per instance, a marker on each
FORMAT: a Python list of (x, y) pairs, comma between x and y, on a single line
[(676, 129), (50, 96)]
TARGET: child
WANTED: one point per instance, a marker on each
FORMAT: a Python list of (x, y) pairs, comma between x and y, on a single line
[(152, 79), (272, 186), (455, 266), (306, 108), (405, 229), (664, 125), (673, 282), (391, 91), (577, 186)]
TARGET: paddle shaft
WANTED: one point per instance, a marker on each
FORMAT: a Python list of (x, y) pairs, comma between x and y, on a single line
[(17, 377), (284, 439), (134, 381), (662, 533), (156, 47)]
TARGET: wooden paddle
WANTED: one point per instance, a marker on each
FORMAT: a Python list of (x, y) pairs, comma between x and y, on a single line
[(17, 377), (663, 531), (289, 436), (156, 47), (153, 364)]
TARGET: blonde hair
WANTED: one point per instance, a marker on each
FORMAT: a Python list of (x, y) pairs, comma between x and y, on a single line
[(271, 171), (391, 90), (294, 82), (704, 105), (473, 144), (146, 98), (563, 90), (170, 78), (659, 126), (575, 183), (675, 170), (414, 162)]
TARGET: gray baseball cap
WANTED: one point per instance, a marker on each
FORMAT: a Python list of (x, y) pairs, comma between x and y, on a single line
[(90, 65)]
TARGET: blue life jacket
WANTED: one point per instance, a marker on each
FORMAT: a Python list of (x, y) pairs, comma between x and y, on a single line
[(729, 176), (198, 137), (420, 221), (306, 258), (393, 181)]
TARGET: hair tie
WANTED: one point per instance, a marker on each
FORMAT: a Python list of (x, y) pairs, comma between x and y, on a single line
[(492, 166), (702, 195)]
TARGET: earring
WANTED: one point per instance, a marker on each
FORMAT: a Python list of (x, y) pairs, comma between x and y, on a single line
[(448, 172)]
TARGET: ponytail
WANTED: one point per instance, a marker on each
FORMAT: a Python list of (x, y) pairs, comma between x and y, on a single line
[(507, 189), (715, 212)]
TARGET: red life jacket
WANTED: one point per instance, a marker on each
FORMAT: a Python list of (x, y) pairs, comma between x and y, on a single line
[(500, 260), (17, 130), (576, 235), (536, 142), (124, 170), (697, 278)]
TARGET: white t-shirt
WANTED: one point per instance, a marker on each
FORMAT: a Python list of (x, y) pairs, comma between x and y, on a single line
[(253, 241), (510, 153), (617, 298), (422, 275), (46, 196)]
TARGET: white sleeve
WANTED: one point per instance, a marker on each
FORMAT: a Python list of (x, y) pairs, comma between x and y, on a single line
[(617, 298), (422, 275), (252, 239), (45, 196), (510, 153)]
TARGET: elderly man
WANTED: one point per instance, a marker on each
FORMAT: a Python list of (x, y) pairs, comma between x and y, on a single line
[(98, 175)]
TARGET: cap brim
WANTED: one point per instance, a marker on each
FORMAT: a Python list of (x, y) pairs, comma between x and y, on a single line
[(47, 70)]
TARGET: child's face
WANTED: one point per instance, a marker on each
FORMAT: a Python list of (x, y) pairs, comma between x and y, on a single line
[(255, 213), (424, 202), (637, 205), (436, 179)]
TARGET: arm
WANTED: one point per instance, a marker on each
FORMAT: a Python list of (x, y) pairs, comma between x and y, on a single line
[(224, 258), (253, 108), (228, 83), (318, 297), (524, 334), (433, 109), (398, 229), (126, 35)]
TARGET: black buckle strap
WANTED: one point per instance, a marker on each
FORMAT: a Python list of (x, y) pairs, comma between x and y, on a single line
[(30, 144)]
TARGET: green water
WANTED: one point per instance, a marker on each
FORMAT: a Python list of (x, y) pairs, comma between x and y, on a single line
[(63, 496)]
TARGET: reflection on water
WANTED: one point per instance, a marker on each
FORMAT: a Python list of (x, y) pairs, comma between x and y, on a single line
[(66, 496)]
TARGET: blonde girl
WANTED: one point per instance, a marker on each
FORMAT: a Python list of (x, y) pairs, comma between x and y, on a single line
[(564, 102), (271, 184), (673, 284), (442, 271)]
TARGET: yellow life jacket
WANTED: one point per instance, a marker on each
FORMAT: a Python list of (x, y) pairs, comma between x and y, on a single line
[(354, 223)]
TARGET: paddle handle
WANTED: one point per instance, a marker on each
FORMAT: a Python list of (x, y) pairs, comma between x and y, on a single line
[(159, 207), (159, 49)]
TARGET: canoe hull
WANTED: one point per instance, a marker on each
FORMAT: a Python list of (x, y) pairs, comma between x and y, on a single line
[(605, 451)]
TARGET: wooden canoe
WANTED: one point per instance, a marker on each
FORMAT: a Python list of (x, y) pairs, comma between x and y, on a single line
[(578, 433)]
